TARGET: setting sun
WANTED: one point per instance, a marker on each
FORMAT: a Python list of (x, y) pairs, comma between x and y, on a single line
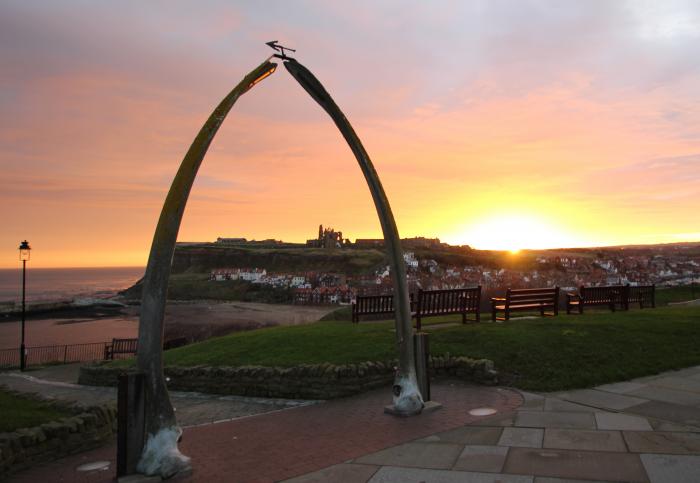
[(514, 233)]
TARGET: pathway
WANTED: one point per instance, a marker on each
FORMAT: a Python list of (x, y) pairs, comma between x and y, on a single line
[(60, 382), (644, 430)]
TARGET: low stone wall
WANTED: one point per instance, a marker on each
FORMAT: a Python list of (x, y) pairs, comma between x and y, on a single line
[(88, 428), (323, 381)]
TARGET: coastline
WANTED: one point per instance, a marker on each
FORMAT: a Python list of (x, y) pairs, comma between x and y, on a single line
[(74, 323)]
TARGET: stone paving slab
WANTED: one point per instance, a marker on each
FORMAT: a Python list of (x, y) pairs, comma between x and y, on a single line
[(581, 439), (621, 387), (417, 455), (678, 383), (522, 437), (507, 420), (482, 458), (661, 425), (662, 442), (592, 465), (621, 421), (676, 413), (658, 393), (347, 473), (554, 404), (468, 435), (601, 399), (408, 475), (663, 468), (536, 419), (547, 479), (532, 401)]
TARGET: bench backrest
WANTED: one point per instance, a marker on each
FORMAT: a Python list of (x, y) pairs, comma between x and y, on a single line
[(527, 296), (640, 293), (602, 294), (373, 304), (124, 346), (433, 302)]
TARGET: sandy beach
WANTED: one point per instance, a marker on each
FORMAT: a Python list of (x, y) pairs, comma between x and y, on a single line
[(193, 320)]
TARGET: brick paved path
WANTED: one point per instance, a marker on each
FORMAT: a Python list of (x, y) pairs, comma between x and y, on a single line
[(284, 444)]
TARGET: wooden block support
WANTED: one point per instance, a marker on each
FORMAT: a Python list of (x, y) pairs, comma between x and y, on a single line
[(130, 422), (421, 351)]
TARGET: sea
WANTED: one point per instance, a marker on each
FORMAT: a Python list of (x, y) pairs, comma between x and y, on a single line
[(56, 284)]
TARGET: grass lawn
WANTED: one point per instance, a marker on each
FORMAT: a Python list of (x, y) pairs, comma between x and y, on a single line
[(543, 354), (19, 412)]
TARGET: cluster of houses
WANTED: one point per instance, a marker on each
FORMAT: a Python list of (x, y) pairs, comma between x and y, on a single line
[(565, 271), (309, 288)]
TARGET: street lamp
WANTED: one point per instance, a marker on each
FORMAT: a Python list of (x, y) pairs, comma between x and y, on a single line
[(24, 254)]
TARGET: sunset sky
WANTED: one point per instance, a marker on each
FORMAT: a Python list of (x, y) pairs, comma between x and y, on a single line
[(498, 124)]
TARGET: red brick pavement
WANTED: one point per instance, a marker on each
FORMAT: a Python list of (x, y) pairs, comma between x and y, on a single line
[(275, 446)]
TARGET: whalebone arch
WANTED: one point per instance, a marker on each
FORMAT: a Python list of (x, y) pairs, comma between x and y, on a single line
[(161, 455)]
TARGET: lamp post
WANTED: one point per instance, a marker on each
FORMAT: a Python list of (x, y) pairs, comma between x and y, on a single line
[(24, 255)]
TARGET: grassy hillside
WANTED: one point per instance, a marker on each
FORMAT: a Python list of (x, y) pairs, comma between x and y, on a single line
[(196, 286), (202, 259), (540, 354)]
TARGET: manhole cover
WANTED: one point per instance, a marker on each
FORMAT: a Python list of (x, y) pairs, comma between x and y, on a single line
[(94, 466), (482, 411)]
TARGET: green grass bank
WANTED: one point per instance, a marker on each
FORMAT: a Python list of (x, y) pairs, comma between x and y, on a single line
[(22, 412), (543, 354)]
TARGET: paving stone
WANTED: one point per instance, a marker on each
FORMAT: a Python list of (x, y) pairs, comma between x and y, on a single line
[(621, 387), (663, 468), (678, 383), (581, 439), (482, 458), (522, 437), (547, 479), (621, 422), (498, 421), (554, 404), (676, 413), (532, 401), (468, 435), (662, 442), (661, 425), (347, 473), (687, 372), (388, 474), (657, 393), (592, 465), (535, 419), (417, 454), (602, 399)]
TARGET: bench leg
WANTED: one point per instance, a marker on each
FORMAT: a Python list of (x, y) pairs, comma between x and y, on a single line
[(507, 314), (478, 316), (493, 315)]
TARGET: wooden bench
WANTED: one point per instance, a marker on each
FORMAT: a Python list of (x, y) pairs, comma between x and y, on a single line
[(451, 301), (428, 303), (371, 305), (641, 294), (541, 299), (609, 295), (120, 346)]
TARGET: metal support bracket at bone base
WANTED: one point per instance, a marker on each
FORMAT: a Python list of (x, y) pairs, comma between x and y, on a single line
[(407, 398)]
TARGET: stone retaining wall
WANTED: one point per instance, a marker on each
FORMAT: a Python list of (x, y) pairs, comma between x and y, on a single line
[(323, 381), (88, 428)]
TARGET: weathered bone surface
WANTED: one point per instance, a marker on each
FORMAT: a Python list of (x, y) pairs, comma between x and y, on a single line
[(161, 456), (159, 414), (408, 400)]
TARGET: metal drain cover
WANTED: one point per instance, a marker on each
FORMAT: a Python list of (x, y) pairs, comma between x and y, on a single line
[(482, 412), (94, 466)]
